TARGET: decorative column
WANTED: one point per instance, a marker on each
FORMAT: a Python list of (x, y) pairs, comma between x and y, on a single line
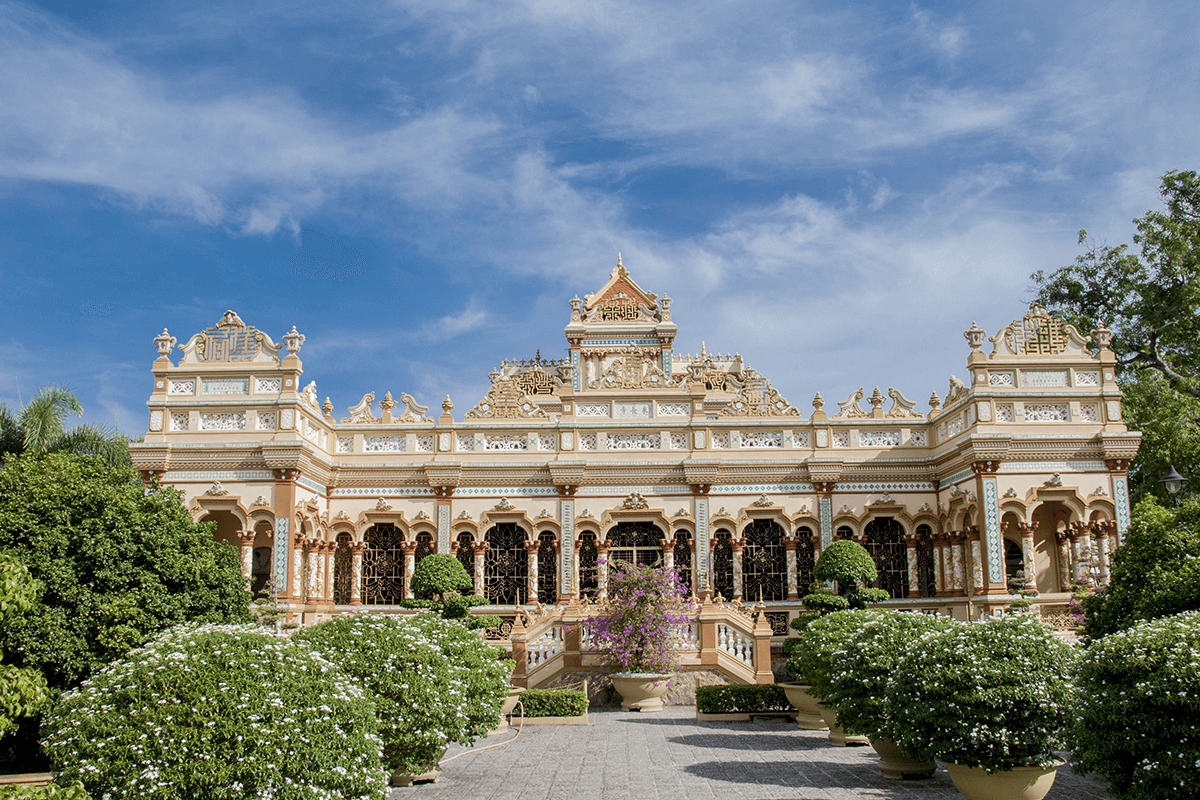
[(531, 553), (914, 583), (477, 550), (327, 568), (298, 562), (356, 572), (941, 560), (410, 563), (816, 543), (702, 556), (668, 548), (1028, 556), (444, 495), (958, 585), (825, 510), (736, 545), (568, 583), (283, 555), (311, 592), (1081, 539), (977, 585), (789, 551), (1119, 469), (1064, 560), (246, 546), (1104, 530), (602, 569), (991, 551)]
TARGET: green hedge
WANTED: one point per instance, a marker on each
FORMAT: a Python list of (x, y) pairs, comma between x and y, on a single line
[(51, 792), (554, 702), (741, 699)]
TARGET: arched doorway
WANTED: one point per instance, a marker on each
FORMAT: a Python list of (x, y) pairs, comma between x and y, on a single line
[(547, 583), (636, 543), (589, 580), (806, 559), (506, 565), (227, 528), (926, 564), (383, 565), (764, 561), (1014, 561), (1048, 518), (343, 570), (683, 560), (722, 563), (885, 543), (465, 553)]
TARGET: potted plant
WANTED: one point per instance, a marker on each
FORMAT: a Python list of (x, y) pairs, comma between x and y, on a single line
[(859, 676), (808, 714), (990, 698), (816, 652), (645, 605), (432, 681), (1138, 695)]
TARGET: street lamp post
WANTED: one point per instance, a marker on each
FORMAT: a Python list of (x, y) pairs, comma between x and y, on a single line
[(1173, 482)]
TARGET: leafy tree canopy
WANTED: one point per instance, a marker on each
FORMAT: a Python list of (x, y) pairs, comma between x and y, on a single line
[(22, 691), (1150, 299), (116, 564)]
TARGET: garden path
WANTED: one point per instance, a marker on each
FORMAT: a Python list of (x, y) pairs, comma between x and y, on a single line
[(670, 756)]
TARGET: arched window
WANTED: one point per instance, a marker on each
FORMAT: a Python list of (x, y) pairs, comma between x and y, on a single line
[(885, 543), (383, 565), (547, 583), (424, 546), (506, 565), (1014, 559), (466, 553), (343, 569), (764, 561), (635, 543), (683, 559), (722, 564), (805, 560), (844, 532), (589, 581), (926, 569)]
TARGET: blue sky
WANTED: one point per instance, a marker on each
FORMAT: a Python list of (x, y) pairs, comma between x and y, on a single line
[(834, 190)]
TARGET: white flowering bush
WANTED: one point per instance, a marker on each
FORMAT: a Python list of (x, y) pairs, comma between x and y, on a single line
[(432, 680), (221, 712), (994, 694), (861, 667), (818, 644), (1139, 702)]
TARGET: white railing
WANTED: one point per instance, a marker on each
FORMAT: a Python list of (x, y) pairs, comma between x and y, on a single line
[(546, 646), (736, 643), (686, 636)]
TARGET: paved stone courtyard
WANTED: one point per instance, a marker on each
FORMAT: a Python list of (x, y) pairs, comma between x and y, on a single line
[(670, 756)]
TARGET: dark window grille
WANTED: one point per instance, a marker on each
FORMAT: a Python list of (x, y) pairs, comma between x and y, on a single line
[(635, 543), (547, 568), (805, 560), (778, 620), (885, 543), (506, 565), (764, 561), (260, 571), (683, 559), (383, 566), (926, 564), (722, 564), (424, 547), (589, 580), (465, 553), (343, 570)]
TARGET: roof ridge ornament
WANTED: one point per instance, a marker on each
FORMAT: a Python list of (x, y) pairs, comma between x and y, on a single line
[(849, 408)]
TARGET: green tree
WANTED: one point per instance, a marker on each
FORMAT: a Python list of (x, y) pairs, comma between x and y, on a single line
[(1151, 302), (39, 428), (1155, 571), (116, 564), (22, 691)]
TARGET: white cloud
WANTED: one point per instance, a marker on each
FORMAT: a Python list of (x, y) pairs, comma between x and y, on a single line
[(945, 39)]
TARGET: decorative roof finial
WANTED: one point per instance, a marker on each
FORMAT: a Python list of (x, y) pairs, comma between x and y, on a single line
[(447, 405), (619, 259)]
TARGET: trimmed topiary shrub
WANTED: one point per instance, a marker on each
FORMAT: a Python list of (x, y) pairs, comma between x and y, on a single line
[(1138, 701), (433, 680), (741, 699), (824, 601), (865, 595), (862, 666), (221, 712), (818, 646), (554, 702), (847, 562), (438, 575), (995, 694)]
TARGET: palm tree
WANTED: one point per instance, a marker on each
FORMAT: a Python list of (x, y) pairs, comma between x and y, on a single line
[(39, 429)]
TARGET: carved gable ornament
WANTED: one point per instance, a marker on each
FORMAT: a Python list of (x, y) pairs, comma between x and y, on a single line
[(1038, 334), (757, 398), (634, 369), (621, 300), (506, 400), (230, 341), (849, 408)]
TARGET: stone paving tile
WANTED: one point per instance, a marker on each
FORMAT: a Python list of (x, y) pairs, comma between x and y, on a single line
[(670, 756)]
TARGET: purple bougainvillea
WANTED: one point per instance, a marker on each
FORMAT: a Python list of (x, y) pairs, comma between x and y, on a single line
[(642, 623)]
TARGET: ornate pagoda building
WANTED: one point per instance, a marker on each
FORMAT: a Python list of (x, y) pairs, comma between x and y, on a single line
[(625, 449)]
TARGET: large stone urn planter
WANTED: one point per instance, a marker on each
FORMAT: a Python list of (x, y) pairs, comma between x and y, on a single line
[(808, 715), (640, 691), (894, 763), (837, 734), (402, 778), (1020, 783), (510, 703)]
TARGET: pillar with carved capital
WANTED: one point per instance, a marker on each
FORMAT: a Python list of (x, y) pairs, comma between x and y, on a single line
[(477, 550), (246, 544), (330, 549), (941, 561), (356, 572), (816, 543), (958, 584), (410, 563), (298, 584), (286, 554), (668, 548), (789, 551), (1078, 533), (977, 586), (310, 583), (531, 553), (1103, 538), (737, 545), (602, 569), (914, 584), (1028, 556), (1064, 560)]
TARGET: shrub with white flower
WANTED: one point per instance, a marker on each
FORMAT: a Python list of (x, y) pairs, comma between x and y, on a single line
[(861, 666), (994, 694), (432, 680), (1139, 702), (222, 712), (818, 644)]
